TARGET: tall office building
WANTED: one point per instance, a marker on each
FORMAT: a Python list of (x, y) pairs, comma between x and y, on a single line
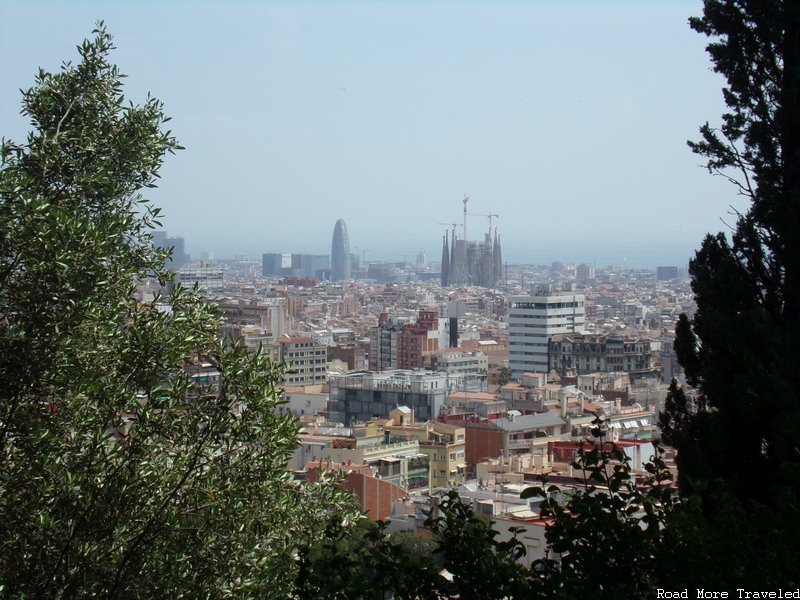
[(666, 273), (340, 253), (271, 264), (310, 265), (533, 320), (584, 272), (209, 279), (179, 257)]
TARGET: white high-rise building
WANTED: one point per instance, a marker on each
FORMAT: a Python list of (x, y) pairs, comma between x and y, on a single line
[(533, 320), (210, 279)]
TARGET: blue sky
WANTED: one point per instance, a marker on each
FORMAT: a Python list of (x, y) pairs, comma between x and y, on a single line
[(568, 119)]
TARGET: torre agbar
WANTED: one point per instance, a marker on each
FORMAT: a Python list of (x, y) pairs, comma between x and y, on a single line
[(340, 252)]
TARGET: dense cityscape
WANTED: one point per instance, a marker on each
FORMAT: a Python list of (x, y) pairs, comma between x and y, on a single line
[(415, 378)]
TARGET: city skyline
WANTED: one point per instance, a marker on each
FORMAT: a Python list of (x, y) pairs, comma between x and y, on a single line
[(647, 261), (567, 120)]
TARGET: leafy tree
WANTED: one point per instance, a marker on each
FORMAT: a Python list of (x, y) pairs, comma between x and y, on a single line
[(111, 483), (505, 376), (606, 537), (461, 559), (740, 349), (625, 539), (369, 563), (481, 566)]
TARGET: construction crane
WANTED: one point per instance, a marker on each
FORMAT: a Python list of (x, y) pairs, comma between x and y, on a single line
[(454, 225), (490, 215)]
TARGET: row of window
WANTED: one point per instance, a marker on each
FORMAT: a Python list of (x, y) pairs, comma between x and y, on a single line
[(548, 317), (306, 353), (545, 305)]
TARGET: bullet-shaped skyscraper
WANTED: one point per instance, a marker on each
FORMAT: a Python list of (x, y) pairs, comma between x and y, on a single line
[(340, 252)]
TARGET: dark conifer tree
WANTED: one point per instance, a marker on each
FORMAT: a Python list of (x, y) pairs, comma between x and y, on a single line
[(740, 350)]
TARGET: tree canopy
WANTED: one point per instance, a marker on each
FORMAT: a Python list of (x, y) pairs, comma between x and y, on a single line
[(112, 483)]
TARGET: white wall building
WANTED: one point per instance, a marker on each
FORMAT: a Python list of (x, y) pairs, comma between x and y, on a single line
[(303, 400), (208, 278), (457, 360), (533, 320), (307, 361)]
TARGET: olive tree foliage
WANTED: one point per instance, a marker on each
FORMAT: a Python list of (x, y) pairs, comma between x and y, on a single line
[(111, 483), (740, 350)]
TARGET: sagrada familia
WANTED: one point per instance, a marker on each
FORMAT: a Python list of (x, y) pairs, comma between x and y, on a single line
[(466, 262)]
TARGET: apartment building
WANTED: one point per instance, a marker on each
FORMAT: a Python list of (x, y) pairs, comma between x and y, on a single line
[(307, 360), (459, 361), (593, 353), (443, 443), (417, 342), (533, 320), (398, 462), (384, 341)]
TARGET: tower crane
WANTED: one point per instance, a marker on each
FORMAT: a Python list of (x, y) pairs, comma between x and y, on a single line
[(454, 225), (490, 215), (465, 200)]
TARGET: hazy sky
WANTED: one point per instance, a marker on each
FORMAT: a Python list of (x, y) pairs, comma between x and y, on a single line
[(568, 119)]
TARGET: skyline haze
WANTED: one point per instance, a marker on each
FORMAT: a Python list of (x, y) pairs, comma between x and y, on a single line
[(567, 120)]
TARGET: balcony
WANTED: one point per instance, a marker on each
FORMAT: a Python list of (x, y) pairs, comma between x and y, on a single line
[(418, 463), (388, 468), (418, 481)]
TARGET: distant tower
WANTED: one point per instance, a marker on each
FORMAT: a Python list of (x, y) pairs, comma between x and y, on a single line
[(445, 262), (497, 271), (340, 253)]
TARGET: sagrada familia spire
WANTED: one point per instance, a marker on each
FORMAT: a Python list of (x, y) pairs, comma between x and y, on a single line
[(445, 261)]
